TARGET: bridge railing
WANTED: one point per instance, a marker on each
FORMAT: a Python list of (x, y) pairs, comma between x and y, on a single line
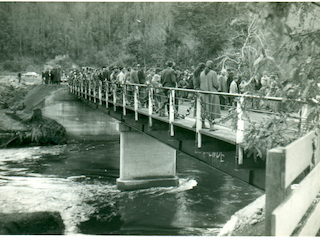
[(199, 107)]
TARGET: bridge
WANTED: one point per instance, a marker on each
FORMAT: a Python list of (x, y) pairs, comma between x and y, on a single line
[(155, 135), (149, 141)]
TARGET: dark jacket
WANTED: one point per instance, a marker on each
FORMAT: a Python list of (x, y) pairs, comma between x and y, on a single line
[(168, 78)]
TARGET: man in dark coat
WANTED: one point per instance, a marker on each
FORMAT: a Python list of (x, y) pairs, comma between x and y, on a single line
[(168, 79)]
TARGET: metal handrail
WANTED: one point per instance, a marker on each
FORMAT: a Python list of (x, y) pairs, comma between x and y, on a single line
[(215, 93)]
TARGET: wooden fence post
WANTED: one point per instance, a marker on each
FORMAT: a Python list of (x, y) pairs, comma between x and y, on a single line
[(275, 187)]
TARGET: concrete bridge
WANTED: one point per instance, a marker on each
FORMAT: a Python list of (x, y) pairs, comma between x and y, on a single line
[(289, 175), (149, 141)]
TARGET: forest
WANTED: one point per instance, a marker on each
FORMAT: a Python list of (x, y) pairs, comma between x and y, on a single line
[(245, 36)]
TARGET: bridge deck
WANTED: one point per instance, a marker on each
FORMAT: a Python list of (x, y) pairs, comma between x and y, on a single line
[(221, 132)]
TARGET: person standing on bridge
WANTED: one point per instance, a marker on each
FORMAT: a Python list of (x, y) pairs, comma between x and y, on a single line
[(168, 79), (209, 82), (224, 88)]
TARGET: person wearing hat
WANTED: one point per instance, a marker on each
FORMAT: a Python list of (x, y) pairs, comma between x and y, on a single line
[(209, 82), (168, 79), (134, 75)]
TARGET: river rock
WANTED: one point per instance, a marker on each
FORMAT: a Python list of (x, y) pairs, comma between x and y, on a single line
[(33, 223), (248, 221), (104, 220)]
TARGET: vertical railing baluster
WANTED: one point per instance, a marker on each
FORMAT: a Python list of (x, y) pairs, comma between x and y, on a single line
[(89, 91), (124, 100), (150, 92), (100, 94), (81, 88), (171, 111), (107, 94), (94, 92), (198, 120), (114, 97), (86, 92), (240, 130), (136, 89)]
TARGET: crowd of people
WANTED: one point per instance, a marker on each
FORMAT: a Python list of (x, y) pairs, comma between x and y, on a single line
[(202, 77), (51, 76)]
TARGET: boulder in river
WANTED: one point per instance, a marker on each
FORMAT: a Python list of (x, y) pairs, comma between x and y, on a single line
[(33, 223)]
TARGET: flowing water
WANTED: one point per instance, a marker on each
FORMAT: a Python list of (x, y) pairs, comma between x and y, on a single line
[(78, 179)]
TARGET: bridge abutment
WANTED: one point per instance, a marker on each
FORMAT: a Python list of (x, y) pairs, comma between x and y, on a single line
[(144, 161)]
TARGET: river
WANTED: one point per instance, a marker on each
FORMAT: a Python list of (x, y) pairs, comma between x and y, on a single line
[(78, 179)]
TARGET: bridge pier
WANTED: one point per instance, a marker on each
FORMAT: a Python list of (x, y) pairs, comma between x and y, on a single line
[(144, 161)]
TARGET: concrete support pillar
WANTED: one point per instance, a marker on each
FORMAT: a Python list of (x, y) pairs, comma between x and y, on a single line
[(144, 161)]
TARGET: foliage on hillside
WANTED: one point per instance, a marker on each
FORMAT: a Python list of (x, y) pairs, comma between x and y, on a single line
[(151, 33)]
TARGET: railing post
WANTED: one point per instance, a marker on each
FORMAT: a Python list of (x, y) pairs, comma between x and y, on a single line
[(94, 92), (107, 94), (150, 105), (89, 92), (198, 119), (100, 94), (171, 111), (124, 100), (81, 88), (114, 97), (136, 89), (240, 130), (86, 92)]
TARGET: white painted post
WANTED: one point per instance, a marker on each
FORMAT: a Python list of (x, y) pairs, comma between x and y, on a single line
[(81, 88), (100, 95), (171, 111), (198, 120), (114, 98), (124, 100), (94, 92), (107, 95), (150, 106), (86, 92), (136, 89), (303, 117), (240, 130), (89, 92)]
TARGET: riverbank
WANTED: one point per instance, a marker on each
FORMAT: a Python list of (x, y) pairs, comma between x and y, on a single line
[(17, 119), (248, 221)]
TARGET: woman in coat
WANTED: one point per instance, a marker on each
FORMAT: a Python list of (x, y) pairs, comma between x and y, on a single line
[(209, 82)]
